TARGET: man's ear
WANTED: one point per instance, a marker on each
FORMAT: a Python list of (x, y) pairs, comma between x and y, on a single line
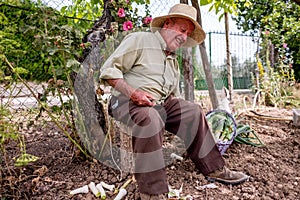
[(167, 22)]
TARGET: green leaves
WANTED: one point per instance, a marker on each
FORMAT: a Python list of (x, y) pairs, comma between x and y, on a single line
[(279, 18), (205, 2), (90, 10), (220, 6)]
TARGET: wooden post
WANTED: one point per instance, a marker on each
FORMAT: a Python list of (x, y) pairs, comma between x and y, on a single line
[(205, 63), (188, 71), (228, 54)]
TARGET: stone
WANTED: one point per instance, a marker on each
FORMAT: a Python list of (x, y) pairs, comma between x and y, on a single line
[(296, 117)]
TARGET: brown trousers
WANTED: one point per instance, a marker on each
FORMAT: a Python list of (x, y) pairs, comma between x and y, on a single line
[(183, 118)]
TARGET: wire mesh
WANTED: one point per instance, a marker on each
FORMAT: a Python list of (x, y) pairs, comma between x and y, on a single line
[(16, 96)]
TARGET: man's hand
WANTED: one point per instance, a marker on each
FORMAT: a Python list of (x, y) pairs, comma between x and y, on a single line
[(137, 96), (142, 98)]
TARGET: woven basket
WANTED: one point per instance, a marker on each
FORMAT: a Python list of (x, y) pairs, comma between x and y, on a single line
[(223, 145)]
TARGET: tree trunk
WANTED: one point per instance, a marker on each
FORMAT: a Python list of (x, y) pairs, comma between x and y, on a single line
[(188, 75), (89, 113), (205, 63), (188, 71), (228, 55)]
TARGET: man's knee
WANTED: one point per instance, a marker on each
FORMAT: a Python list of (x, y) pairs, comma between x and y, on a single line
[(147, 123)]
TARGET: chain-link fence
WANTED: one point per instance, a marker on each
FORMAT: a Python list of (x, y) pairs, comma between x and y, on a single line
[(28, 99), (243, 49)]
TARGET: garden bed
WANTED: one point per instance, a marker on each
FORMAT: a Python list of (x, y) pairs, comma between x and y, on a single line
[(273, 169)]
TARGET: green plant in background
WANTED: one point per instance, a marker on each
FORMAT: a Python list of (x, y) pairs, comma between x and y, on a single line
[(275, 83), (14, 43), (7, 130), (279, 57), (58, 43), (61, 45), (22, 24), (281, 21), (9, 44)]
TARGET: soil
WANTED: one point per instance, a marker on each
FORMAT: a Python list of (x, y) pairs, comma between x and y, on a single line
[(273, 169)]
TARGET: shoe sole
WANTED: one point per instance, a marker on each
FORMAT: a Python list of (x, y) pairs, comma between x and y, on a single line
[(227, 182)]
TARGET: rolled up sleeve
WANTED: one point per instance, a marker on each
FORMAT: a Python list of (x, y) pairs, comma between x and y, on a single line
[(111, 73), (121, 61)]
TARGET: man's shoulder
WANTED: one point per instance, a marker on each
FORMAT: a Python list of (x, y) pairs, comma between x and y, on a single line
[(142, 35), (145, 39)]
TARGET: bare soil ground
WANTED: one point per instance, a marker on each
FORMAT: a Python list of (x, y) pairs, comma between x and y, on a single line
[(273, 169)]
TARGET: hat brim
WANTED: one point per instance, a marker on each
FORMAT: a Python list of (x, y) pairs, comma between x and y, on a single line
[(197, 37)]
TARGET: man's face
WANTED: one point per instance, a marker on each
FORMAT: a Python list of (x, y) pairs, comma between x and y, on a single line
[(176, 31)]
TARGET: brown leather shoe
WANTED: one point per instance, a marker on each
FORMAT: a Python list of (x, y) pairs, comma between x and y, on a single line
[(227, 176), (152, 196)]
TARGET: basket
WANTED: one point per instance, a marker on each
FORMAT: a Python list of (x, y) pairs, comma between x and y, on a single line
[(215, 120)]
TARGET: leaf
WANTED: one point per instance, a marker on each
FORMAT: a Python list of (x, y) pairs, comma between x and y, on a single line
[(24, 159), (221, 16), (205, 2), (21, 71), (248, 4)]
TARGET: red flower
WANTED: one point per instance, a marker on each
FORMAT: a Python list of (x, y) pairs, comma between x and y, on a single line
[(147, 20), (121, 12), (127, 25)]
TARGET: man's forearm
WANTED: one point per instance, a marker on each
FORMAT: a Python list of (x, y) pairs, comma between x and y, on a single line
[(121, 86)]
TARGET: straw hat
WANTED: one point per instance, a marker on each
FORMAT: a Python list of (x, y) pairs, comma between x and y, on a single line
[(182, 11)]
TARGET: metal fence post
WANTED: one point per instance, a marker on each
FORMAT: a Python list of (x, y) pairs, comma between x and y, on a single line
[(209, 47)]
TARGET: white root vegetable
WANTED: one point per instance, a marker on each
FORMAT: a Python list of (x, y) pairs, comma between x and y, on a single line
[(95, 191), (121, 194), (174, 192), (83, 189), (175, 156), (101, 190), (210, 186), (107, 186)]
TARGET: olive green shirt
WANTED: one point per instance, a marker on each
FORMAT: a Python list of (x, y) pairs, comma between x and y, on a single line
[(141, 61)]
